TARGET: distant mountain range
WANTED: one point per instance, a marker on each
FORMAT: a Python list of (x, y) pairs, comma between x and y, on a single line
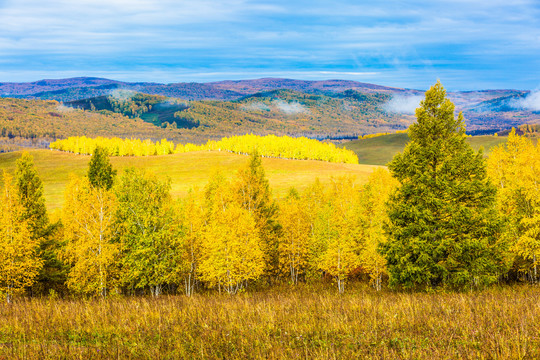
[(485, 110), (85, 87)]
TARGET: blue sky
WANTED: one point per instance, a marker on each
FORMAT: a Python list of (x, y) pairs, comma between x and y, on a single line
[(467, 44)]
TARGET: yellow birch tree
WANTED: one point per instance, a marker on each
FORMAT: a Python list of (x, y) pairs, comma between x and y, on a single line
[(373, 217), (514, 168), (19, 261), (254, 195), (193, 221), (339, 229), (232, 252), (294, 239), (88, 218)]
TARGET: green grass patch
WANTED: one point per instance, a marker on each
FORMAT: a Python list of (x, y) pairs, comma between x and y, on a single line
[(381, 149)]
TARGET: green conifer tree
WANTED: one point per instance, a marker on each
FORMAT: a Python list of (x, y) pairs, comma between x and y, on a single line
[(443, 227), (100, 172), (30, 192)]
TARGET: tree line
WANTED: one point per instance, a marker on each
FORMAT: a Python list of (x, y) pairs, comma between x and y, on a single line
[(269, 146), (125, 234), (442, 216)]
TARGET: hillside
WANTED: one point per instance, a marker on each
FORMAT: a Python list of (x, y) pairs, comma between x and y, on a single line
[(282, 112), (288, 112), (381, 149), (341, 115), (486, 111), (33, 119), (337, 115), (186, 170), (52, 85), (156, 109)]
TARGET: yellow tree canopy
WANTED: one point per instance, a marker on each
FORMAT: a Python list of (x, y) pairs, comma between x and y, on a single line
[(19, 262)]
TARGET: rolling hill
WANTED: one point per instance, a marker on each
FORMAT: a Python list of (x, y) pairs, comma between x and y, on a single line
[(196, 113), (83, 87), (281, 112), (486, 111)]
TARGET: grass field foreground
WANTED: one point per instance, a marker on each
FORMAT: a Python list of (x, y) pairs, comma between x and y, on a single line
[(186, 170), (307, 322)]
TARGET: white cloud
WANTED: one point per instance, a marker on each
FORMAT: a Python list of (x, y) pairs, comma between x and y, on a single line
[(392, 38), (530, 102), (120, 94), (290, 108), (63, 109), (403, 104), (255, 106)]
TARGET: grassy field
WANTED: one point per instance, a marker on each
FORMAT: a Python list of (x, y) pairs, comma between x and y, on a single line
[(380, 150), (186, 170), (308, 322)]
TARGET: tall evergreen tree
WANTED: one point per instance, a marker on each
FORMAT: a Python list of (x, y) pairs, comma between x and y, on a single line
[(443, 225), (100, 172), (30, 192)]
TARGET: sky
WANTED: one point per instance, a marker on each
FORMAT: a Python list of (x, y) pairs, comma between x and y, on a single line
[(467, 44)]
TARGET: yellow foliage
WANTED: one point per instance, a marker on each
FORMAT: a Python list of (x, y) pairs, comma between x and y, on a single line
[(370, 136), (338, 228), (269, 146), (232, 252), (88, 229), (114, 146), (514, 167), (295, 239), (373, 216), (193, 219), (19, 262), (284, 147)]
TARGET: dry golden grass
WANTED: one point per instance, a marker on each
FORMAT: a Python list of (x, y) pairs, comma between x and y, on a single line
[(186, 170), (283, 323)]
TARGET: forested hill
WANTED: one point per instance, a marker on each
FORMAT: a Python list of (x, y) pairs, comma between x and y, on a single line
[(49, 120), (281, 112), (197, 112)]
